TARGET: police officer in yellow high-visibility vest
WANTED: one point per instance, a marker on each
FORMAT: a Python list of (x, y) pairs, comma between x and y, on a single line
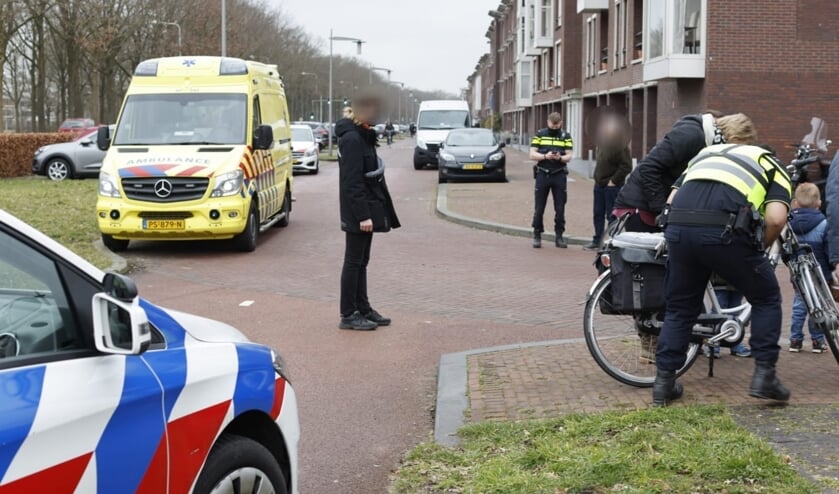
[(551, 149), (726, 209)]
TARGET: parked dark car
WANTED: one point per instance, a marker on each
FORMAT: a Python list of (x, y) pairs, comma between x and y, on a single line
[(75, 159), (320, 131), (472, 154)]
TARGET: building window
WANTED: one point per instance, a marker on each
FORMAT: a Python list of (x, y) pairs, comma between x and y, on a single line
[(604, 41), (655, 28), (522, 38), (688, 28), (621, 29), (547, 69), (591, 46), (558, 6), (558, 64), (638, 29), (545, 19), (525, 82), (531, 24)]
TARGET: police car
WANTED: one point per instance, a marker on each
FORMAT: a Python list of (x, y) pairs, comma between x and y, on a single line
[(102, 391)]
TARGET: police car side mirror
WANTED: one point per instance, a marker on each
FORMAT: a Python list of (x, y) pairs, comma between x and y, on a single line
[(119, 287), (103, 138), (263, 137), (119, 327)]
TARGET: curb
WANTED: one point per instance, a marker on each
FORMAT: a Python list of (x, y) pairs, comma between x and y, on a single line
[(118, 263), (444, 212), (452, 391)]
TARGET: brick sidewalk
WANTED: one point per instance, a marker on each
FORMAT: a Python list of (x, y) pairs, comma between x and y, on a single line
[(511, 203)]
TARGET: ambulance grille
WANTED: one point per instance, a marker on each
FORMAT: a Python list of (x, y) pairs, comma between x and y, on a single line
[(165, 189)]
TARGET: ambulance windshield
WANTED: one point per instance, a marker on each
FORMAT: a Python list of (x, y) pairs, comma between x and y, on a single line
[(173, 119)]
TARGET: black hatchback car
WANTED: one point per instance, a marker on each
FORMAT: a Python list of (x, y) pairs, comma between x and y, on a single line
[(472, 153)]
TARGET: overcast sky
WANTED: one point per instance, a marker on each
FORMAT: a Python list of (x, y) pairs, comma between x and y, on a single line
[(428, 44)]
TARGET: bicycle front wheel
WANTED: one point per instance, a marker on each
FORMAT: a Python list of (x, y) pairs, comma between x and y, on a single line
[(824, 311), (617, 345)]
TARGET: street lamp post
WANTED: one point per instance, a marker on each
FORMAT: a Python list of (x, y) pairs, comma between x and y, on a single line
[(224, 28), (333, 38), (399, 104), (180, 39), (381, 69)]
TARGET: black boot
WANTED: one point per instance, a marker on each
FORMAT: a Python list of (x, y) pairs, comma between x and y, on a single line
[(765, 384), (560, 242), (537, 240), (665, 388)]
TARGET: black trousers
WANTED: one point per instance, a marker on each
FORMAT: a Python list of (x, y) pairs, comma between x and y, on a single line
[(693, 254), (557, 186), (354, 274)]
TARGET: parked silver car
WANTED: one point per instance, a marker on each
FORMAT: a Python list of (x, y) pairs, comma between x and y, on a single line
[(75, 159)]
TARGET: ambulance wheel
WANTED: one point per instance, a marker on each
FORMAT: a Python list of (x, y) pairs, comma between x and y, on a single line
[(239, 464), (286, 211), (114, 244), (246, 241)]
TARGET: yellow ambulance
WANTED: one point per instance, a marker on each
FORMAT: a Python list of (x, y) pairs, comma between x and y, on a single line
[(201, 150)]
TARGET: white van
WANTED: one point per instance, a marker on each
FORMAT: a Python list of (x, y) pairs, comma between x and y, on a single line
[(435, 120)]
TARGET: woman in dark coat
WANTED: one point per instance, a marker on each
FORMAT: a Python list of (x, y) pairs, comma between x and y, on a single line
[(366, 207)]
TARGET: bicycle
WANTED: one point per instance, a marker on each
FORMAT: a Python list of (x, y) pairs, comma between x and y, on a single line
[(613, 336)]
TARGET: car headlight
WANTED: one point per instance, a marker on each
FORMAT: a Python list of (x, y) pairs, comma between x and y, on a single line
[(496, 156), (39, 151), (447, 157), (280, 365), (309, 153), (228, 184), (421, 144), (109, 185)]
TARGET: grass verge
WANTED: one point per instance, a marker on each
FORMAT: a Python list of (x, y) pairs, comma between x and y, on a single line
[(62, 210), (696, 449)]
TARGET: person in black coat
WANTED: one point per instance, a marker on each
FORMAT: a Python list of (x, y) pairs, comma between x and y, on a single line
[(366, 207), (648, 187)]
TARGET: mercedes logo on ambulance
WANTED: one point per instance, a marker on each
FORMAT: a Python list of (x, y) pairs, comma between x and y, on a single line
[(163, 188)]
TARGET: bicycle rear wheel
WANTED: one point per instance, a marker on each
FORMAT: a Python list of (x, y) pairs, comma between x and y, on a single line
[(824, 312), (614, 342)]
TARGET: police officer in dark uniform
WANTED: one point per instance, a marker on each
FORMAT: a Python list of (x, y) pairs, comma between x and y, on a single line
[(727, 208), (551, 149)]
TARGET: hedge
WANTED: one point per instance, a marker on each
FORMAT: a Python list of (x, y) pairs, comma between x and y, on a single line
[(17, 150)]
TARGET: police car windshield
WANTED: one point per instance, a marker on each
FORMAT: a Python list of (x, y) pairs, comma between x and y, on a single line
[(173, 119), (443, 119)]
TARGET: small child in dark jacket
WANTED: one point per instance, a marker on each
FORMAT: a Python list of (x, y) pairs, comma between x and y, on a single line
[(810, 226)]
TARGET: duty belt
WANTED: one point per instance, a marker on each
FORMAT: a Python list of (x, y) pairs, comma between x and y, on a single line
[(700, 217), (551, 171)]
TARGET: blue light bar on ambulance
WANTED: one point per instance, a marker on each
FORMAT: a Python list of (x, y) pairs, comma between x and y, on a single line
[(147, 68), (232, 66)]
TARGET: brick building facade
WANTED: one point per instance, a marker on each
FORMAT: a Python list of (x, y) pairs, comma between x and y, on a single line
[(656, 60)]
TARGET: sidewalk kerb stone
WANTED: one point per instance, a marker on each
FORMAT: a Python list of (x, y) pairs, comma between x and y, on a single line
[(118, 263), (444, 212), (452, 391)]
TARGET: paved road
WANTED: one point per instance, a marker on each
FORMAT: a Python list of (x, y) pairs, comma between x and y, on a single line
[(365, 399)]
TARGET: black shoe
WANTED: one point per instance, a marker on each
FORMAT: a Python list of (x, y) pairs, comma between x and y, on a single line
[(765, 384), (665, 388), (560, 242), (377, 318), (537, 240), (357, 322), (591, 245)]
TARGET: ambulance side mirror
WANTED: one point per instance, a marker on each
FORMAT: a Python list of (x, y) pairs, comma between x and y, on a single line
[(103, 138), (263, 137)]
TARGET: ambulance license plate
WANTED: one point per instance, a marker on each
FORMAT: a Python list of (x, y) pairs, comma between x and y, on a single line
[(164, 225), (473, 166)]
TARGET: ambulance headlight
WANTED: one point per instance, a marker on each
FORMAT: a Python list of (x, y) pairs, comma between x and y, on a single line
[(228, 184), (108, 185)]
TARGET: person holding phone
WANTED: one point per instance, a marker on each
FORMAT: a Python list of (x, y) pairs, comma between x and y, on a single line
[(366, 207), (551, 149)]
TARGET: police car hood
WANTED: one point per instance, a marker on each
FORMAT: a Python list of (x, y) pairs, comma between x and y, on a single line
[(173, 161), (207, 330)]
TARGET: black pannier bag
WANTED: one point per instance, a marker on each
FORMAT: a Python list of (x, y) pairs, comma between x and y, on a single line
[(637, 273)]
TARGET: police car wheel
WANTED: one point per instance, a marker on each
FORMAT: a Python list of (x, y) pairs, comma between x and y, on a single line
[(242, 466), (246, 241), (113, 244)]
